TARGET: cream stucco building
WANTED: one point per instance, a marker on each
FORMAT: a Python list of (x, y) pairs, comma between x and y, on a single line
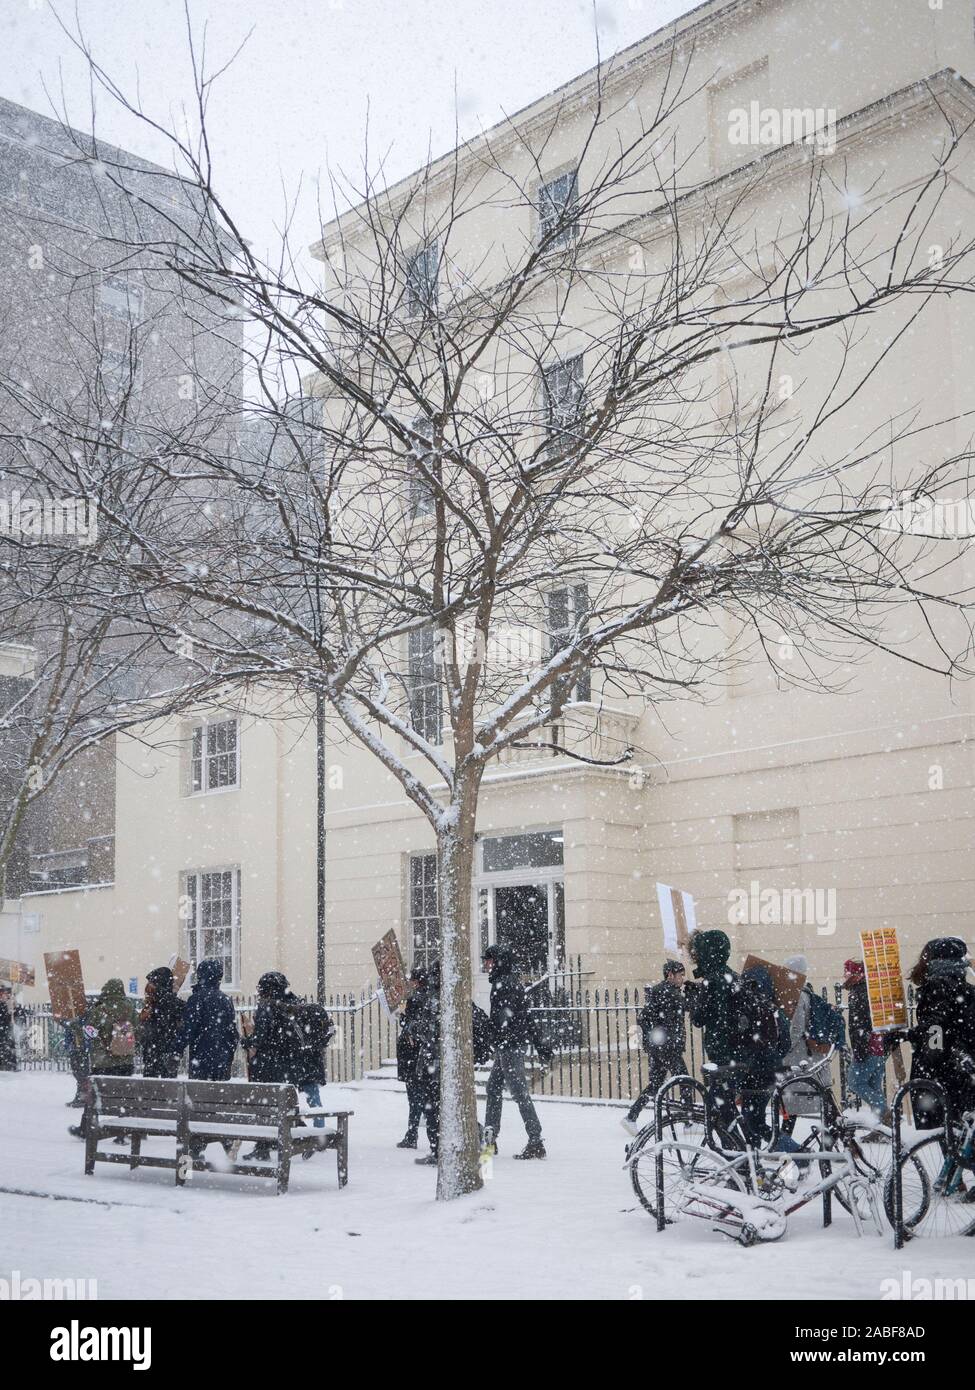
[(795, 818)]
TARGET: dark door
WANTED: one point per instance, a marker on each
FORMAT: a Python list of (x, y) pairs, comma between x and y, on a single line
[(521, 922)]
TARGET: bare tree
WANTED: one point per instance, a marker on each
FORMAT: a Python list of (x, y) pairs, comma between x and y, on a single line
[(530, 476)]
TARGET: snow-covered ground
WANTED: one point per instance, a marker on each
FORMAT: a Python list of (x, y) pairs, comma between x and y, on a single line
[(565, 1228)]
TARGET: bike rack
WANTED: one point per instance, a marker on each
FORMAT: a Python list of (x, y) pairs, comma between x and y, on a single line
[(912, 1088), (684, 1084), (825, 1095)]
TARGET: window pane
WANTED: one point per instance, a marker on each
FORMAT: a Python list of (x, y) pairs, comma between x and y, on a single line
[(536, 850)]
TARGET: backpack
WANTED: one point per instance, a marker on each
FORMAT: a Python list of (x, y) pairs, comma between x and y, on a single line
[(313, 1026), (826, 1024), (759, 1022), (122, 1042)]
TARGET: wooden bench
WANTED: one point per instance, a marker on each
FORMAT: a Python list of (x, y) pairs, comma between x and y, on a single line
[(197, 1113)]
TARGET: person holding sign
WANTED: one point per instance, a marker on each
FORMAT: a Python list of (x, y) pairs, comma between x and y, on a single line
[(661, 1024), (865, 1077), (943, 1036)]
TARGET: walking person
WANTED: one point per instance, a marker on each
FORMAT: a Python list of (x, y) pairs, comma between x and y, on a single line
[(865, 1075), (76, 1046), (664, 1036), (160, 1026), (406, 1056), (110, 1028), (273, 1044), (943, 1036), (210, 1034), (511, 1029), (714, 995), (8, 1046), (315, 1032), (424, 1041)]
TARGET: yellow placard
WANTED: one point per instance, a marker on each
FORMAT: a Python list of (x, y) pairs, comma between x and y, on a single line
[(885, 983)]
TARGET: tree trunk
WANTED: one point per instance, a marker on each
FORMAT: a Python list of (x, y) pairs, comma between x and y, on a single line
[(458, 1170)]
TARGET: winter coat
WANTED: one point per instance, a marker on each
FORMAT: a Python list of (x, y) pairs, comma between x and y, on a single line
[(406, 1045), (760, 1058), (160, 1027), (8, 1050), (661, 1021), (111, 1016), (510, 1019), (275, 1044), (943, 1039), (209, 1026), (864, 1042), (714, 996), (314, 1028)]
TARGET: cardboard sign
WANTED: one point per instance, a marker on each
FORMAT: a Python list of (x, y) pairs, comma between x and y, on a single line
[(885, 983), (677, 915), (392, 972), (17, 972), (180, 969), (788, 985), (65, 984)]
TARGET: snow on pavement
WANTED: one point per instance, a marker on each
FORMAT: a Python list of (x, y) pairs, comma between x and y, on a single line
[(563, 1229)]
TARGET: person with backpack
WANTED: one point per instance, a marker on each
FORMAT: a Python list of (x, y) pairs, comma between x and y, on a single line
[(761, 1043), (512, 1032), (406, 1056), (712, 996), (159, 1030), (110, 1029), (662, 1030), (273, 1044), (315, 1032), (209, 1026), (943, 1036), (865, 1074)]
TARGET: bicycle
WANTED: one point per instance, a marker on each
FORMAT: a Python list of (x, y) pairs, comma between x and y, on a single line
[(938, 1182)]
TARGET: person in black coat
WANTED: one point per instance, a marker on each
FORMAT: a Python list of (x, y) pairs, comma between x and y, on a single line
[(511, 1027), (943, 1036), (406, 1054), (209, 1026), (662, 1028), (315, 1030), (423, 1045), (160, 1026), (274, 1045), (8, 1049)]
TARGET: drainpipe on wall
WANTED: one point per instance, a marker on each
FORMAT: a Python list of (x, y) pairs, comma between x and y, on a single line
[(320, 846)]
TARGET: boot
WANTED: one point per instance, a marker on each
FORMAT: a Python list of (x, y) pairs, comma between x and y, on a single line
[(77, 1131), (408, 1141), (260, 1153), (430, 1161), (533, 1149)]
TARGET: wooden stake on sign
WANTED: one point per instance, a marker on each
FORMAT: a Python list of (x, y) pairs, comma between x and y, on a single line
[(65, 985), (677, 916), (392, 972)]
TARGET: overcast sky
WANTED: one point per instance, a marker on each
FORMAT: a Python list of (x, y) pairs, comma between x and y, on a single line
[(296, 98)]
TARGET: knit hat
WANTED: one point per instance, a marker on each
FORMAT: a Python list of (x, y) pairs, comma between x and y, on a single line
[(853, 967), (673, 967), (798, 965)]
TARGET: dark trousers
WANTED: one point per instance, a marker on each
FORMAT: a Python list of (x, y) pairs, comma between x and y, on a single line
[(754, 1103), (662, 1065), (427, 1092), (414, 1099), (509, 1070)]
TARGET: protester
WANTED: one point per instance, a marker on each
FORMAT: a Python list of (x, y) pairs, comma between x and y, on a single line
[(512, 1032), (8, 1046), (865, 1074), (209, 1026), (315, 1031), (160, 1027), (661, 1024), (406, 1054), (274, 1045), (76, 1046), (943, 1036), (423, 1044), (110, 1029), (762, 1042), (712, 999)]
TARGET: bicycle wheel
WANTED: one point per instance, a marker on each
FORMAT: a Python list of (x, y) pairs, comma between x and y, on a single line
[(642, 1160), (939, 1194), (701, 1182), (872, 1159)]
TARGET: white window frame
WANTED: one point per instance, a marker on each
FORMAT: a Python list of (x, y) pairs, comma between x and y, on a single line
[(548, 210), (426, 954), (423, 279), (418, 684), (201, 731), (557, 638), (422, 500), (191, 885), (556, 376)]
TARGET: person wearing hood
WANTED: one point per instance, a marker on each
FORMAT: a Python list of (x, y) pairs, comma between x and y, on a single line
[(8, 1048), (110, 1028), (943, 1036), (512, 1032), (273, 1044), (406, 1056), (160, 1026), (865, 1075), (759, 1051), (209, 1026), (713, 994), (423, 1040)]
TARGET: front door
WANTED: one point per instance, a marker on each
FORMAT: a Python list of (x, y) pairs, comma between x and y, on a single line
[(521, 924)]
